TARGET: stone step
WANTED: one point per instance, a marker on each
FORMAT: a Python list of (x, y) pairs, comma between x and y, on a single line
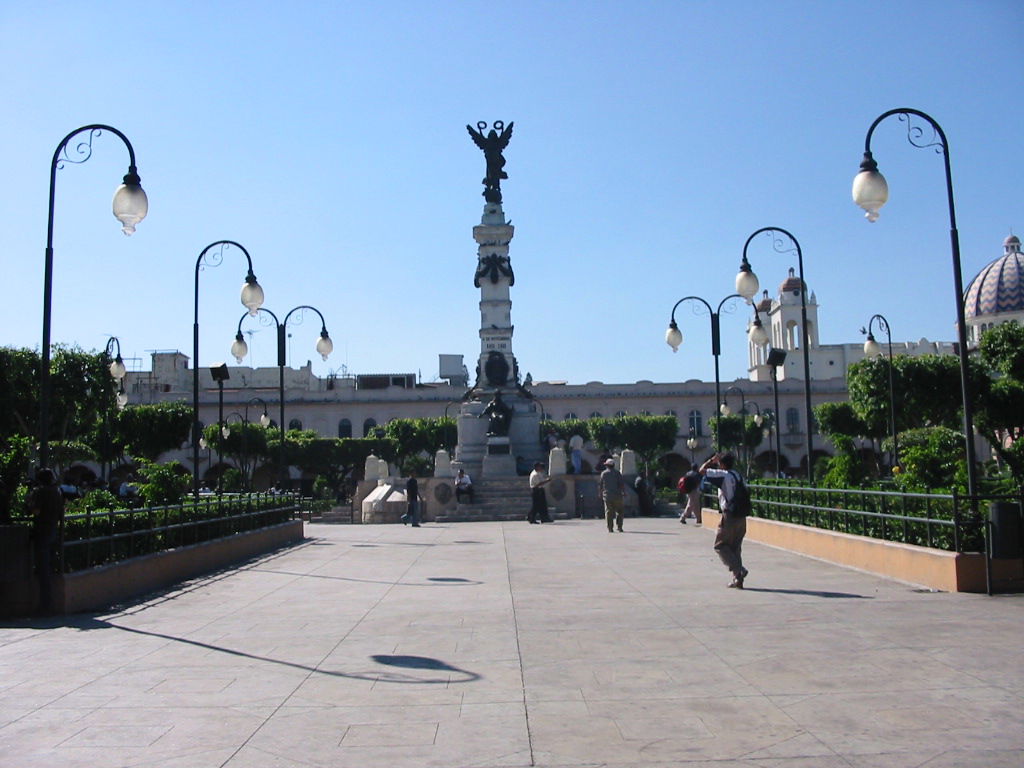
[(480, 516)]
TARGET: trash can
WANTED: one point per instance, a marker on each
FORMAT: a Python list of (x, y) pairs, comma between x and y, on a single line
[(1006, 524)]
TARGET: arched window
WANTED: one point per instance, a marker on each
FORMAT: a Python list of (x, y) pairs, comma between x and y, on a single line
[(595, 415), (294, 424), (645, 412), (368, 426), (793, 334), (696, 423), (792, 420), (671, 412), (570, 415), (344, 428), (620, 414)]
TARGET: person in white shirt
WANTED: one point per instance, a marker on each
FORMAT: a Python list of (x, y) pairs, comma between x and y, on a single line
[(732, 528), (463, 486), (538, 499)]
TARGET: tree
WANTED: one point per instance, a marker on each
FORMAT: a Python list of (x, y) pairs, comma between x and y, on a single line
[(566, 429), (19, 392), (728, 431), (840, 419), (845, 469), (146, 431), (648, 436), (415, 436), (1002, 349), (165, 483), (1000, 415), (926, 392), (82, 390), (739, 433), (246, 445), (15, 458), (932, 458)]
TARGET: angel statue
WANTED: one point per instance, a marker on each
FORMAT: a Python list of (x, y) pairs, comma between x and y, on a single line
[(492, 144)]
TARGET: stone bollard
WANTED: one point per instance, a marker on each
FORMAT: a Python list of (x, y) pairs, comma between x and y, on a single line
[(556, 461)]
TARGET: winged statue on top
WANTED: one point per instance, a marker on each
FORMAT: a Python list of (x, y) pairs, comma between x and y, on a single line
[(492, 144)]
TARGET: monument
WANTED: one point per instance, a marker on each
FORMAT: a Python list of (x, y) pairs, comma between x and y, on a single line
[(498, 419)]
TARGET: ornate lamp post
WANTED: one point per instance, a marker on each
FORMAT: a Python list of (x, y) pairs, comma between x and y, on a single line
[(117, 373), (252, 298), (805, 336), (324, 347), (692, 442), (130, 206), (264, 417), (674, 337), (725, 410), (870, 192), (872, 349)]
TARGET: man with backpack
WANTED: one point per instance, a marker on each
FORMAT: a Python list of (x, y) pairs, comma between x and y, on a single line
[(734, 504), (689, 495)]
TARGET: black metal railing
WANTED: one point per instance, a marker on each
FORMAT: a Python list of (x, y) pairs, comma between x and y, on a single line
[(941, 521), (98, 537)]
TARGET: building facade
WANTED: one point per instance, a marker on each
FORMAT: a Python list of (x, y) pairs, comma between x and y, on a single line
[(353, 405)]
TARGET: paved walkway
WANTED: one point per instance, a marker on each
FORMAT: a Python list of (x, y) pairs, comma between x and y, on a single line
[(506, 644)]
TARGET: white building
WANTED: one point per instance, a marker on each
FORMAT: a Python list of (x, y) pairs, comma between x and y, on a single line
[(351, 406)]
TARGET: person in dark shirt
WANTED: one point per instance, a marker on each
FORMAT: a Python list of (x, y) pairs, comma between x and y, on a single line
[(46, 504), (412, 498)]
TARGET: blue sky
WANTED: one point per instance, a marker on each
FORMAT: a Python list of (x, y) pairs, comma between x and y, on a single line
[(651, 138)]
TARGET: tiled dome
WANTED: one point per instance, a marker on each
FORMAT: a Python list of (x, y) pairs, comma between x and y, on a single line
[(791, 283), (999, 287), (765, 304)]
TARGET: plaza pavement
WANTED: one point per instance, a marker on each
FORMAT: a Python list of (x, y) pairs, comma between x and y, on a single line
[(507, 644)]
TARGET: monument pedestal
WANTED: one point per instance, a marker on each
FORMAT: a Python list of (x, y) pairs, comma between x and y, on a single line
[(498, 461), (495, 456)]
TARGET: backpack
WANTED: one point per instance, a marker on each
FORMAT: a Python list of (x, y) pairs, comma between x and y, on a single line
[(689, 481), (739, 504)]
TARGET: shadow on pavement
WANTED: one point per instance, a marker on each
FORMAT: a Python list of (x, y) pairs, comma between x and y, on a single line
[(451, 674), (811, 593)]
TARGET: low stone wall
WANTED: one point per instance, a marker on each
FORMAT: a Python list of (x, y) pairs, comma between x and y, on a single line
[(932, 568), (568, 494), (98, 588)]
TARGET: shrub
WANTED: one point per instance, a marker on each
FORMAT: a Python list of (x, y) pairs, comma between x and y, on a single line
[(165, 483), (92, 501)]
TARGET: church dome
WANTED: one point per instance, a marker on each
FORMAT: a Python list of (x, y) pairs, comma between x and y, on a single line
[(765, 304), (998, 287), (790, 284)]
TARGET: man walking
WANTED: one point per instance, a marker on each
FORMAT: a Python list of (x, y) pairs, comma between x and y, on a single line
[(733, 527), (538, 499), (689, 490), (412, 500), (613, 491)]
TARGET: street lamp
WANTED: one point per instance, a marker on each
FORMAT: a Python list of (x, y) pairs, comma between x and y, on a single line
[(117, 373), (805, 336), (725, 410), (873, 350), (692, 442), (674, 337), (264, 417), (220, 374), (130, 206), (776, 357), (870, 192), (324, 347), (252, 298)]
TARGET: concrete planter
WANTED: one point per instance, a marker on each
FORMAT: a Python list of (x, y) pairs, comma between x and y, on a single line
[(98, 588), (932, 568)]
